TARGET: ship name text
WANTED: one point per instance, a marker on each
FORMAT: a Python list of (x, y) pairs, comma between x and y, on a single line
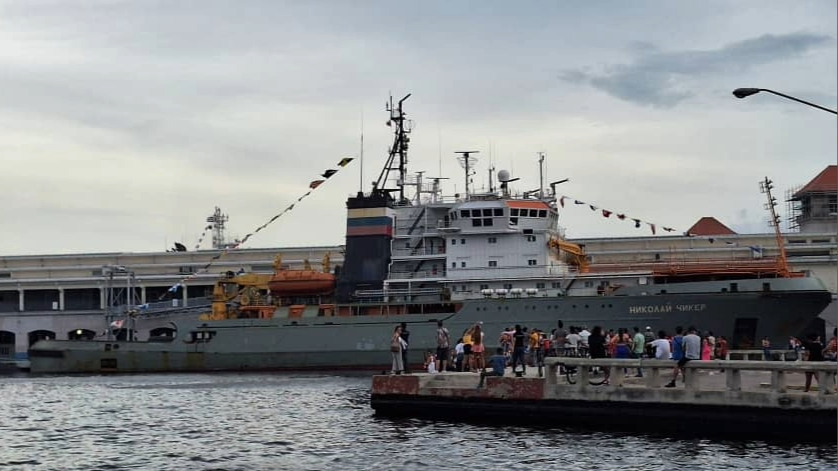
[(665, 308)]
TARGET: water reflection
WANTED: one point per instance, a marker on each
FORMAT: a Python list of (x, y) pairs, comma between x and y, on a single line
[(275, 421)]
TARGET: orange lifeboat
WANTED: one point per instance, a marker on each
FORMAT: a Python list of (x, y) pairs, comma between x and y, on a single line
[(287, 283)]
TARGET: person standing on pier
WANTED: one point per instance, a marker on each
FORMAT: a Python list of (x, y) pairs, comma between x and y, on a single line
[(519, 341), (596, 348), (692, 351), (766, 349), (639, 346), (396, 347), (678, 344), (661, 347), (405, 335), (814, 352), (443, 345)]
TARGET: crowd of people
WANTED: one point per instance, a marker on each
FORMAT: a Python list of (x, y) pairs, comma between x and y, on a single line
[(522, 347)]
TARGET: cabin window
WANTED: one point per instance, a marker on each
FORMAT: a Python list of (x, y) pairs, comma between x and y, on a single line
[(556, 285), (487, 222), (482, 287), (532, 262), (530, 238), (462, 264), (454, 288), (513, 212), (453, 264), (493, 263), (462, 241), (465, 213), (589, 284), (498, 211), (487, 212), (477, 222), (542, 213), (493, 240), (507, 286), (453, 241), (513, 221), (539, 286)]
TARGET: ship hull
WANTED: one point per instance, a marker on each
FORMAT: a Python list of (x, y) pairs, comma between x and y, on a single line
[(362, 342)]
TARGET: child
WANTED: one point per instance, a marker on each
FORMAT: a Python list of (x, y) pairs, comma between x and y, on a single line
[(430, 362)]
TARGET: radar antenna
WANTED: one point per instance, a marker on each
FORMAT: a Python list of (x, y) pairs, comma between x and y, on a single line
[(467, 161), (403, 127)]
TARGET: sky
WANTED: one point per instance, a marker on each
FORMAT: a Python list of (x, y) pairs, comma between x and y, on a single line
[(123, 124)]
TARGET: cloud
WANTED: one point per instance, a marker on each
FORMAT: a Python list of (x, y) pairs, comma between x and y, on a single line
[(661, 79)]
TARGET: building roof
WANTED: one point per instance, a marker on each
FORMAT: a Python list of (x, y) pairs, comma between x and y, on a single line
[(707, 226), (825, 182)]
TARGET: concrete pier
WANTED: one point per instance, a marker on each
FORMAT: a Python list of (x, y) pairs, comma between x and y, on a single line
[(733, 399)]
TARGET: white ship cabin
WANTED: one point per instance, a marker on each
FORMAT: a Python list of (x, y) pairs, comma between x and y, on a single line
[(500, 247)]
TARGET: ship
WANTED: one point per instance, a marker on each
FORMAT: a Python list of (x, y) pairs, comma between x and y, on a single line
[(415, 256)]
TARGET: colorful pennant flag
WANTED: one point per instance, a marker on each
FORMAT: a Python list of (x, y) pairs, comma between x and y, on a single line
[(315, 184), (345, 161)]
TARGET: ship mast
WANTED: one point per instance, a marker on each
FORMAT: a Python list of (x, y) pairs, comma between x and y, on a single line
[(403, 127), (766, 186), (466, 160)]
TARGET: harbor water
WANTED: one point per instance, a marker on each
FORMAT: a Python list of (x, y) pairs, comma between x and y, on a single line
[(293, 421)]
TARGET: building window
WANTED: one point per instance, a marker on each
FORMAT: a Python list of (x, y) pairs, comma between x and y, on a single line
[(507, 286), (453, 241), (454, 288), (493, 263), (531, 262), (539, 285), (464, 288), (530, 238), (487, 212), (462, 241), (482, 287), (589, 284), (453, 264), (493, 240), (462, 264), (556, 285)]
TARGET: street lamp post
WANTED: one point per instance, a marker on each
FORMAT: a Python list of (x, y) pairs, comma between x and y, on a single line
[(746, 92)]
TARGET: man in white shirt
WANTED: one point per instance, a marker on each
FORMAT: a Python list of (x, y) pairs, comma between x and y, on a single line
[(583, 335), (571, 343), (661, 346)]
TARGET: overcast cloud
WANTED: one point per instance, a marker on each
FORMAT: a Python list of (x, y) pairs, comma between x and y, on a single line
[(125, 123)]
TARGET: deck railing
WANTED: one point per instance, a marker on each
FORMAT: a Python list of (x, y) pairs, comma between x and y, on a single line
[(697, 387)]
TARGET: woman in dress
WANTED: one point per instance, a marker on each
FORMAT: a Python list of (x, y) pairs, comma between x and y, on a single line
[(477, 349), (396, 347)]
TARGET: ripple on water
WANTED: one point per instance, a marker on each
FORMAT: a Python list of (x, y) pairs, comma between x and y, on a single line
[(280, 421)]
